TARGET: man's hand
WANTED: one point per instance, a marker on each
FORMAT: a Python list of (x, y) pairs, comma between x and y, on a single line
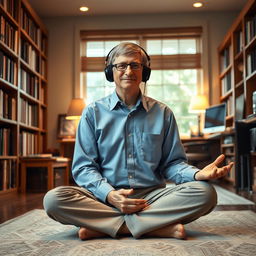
[(119, 199), (212, 171)]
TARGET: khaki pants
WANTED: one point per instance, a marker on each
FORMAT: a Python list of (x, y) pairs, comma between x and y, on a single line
[(173, 204)]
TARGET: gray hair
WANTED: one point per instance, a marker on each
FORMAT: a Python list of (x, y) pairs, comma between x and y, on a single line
[(127, 49)]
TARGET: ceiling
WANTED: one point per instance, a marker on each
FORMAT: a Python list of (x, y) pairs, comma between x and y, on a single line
[(57, 8)]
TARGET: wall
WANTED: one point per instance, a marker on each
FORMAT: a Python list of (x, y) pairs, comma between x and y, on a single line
[(63, 52)]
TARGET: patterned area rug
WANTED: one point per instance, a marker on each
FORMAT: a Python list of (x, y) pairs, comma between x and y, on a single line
[(217, 234), (226, 197)]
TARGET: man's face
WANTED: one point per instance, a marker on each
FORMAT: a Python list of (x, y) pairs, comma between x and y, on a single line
[(128, 79)]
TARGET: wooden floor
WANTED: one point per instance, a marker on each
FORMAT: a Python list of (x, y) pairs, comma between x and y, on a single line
[(13, 205)]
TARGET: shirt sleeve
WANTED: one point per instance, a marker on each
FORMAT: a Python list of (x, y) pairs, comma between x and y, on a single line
[(85, 167), (173, 163)]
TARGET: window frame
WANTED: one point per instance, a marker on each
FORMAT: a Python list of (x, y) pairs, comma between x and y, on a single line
[(158, 62)]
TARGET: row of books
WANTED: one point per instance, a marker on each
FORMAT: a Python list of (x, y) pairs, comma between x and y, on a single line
[(28, 143), (43, 68), (251, 62), (44, 45), (28, 24), (230, 106), (8, 34), (226, 84), (29, 55), (225, 58), (7, 106), (6, 142), (239, 42), (42, 94), (28, 113), (250, 29), (8, 68), (8, 174), (29, 83), (9, 6)]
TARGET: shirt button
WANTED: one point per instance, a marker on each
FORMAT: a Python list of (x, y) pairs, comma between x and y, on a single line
[(130, 176), (130, 155)]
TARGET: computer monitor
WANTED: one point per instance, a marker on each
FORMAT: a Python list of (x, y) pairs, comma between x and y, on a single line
[(215, 119)]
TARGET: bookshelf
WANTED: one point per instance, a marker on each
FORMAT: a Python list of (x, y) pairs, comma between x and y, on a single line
[(237, 77), (23, 88)]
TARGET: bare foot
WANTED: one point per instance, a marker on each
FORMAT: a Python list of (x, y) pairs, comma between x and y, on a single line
[(174, 231), (85, 233)]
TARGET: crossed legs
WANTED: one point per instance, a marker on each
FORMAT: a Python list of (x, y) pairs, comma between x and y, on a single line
[(170, 208)]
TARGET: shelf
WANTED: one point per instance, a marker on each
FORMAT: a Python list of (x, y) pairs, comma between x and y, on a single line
[(251, 44), (24, 63), (29, 97), (29, 39), (225, 71), (251, 76), (8, 86), (239, 56), (250, 120), (226, 95), (21, 85), (227, 145), (7, 49), (228, 131), (29, 127), (8, 121), (239, 49), (8, 157), (43, 105), (230, 154), (239, 84), (8, 16)]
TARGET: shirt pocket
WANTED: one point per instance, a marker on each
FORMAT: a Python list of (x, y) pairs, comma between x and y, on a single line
[(151, 147)]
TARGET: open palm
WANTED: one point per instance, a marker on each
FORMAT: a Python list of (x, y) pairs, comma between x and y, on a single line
[(213, 171)]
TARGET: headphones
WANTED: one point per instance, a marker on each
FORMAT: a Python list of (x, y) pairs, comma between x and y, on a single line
[(109, 68)]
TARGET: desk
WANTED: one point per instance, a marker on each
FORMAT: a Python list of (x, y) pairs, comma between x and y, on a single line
[(49, 163), (201, 151)]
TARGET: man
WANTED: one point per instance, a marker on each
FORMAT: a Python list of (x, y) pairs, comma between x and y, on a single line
[(127, 147)]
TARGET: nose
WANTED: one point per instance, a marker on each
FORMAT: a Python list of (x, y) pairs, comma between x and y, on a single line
[(128, 70)]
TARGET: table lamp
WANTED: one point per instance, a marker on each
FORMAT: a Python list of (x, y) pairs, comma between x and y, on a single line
[(198, 104), (75, 109)]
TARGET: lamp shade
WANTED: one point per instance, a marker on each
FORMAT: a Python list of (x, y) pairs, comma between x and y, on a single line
[(198, 104), (75, 109)]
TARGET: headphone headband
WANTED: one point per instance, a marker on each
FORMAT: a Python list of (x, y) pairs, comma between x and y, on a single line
[(109, 71)]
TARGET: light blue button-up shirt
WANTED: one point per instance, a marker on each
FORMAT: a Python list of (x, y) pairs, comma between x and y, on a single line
[(117, 147)]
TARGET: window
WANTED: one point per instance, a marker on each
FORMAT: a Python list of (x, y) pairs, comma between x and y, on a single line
[(175, 62)]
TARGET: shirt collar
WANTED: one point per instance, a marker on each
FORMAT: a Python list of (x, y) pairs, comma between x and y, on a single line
[(114, 100)]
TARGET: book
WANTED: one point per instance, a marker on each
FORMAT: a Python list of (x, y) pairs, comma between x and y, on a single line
[(38, 156)]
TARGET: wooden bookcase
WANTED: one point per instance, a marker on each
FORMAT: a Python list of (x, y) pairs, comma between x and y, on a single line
[(237, 76), (23, 88)]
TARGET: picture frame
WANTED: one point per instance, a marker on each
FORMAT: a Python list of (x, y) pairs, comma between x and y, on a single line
[(66, 128)]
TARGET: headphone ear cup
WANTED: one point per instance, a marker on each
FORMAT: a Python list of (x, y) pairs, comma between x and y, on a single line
[(146, 73), (109, 73)]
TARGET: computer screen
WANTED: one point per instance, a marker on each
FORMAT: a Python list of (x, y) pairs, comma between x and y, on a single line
[(215, 119)]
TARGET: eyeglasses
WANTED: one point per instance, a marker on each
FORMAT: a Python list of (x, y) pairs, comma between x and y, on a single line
[(123, 66)]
